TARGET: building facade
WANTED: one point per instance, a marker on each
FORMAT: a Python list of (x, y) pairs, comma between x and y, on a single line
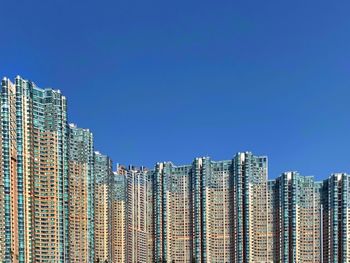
[(173, 222), (298, 225), (81, 195), (227, 211), (61, 202), (103, 173), (336, 218), (139, 215), (34, 172), (193, 211), (117, 213), (9, 171), (250, 207)]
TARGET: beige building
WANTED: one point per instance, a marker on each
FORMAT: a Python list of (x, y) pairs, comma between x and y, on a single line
[(81, 192), (219, 212), (195, 211), (250, 211), (34, 155), (103, 173), (178, 213), (117, 242), (138, 214), (298, 226)]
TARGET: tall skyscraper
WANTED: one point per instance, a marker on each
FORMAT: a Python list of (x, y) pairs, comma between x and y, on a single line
[(193, 211), (60, 201), (103, 173), (139, 215), (199, 194), (50, 148), (117, 221), (298, 235), (9, 170), (2, 208), (34, 157), (273, 218), (174, 223), (336, 218), (250, 201), (219, 213), (81, 195), (212, 186)]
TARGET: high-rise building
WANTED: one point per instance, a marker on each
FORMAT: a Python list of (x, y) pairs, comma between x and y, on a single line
[(81, 195), (117, 221), (212, 187), (199, 200), (272, 222), (193, 211), (139, 215), (2, 205), (298, 235), (49, 160), (2, 222), (34, 169), (60, 201), (219, 211), (103, 173), (250, 208), (336, 218), (9, 172), (174, 223)]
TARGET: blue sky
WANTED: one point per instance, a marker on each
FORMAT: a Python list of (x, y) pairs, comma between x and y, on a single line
[(172, 80)]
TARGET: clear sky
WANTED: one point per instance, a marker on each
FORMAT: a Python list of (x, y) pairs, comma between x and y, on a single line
[(173, 80)]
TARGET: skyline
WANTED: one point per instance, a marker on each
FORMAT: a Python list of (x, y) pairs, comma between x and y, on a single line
[(171, 81), (61, 201), (115, 164)]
